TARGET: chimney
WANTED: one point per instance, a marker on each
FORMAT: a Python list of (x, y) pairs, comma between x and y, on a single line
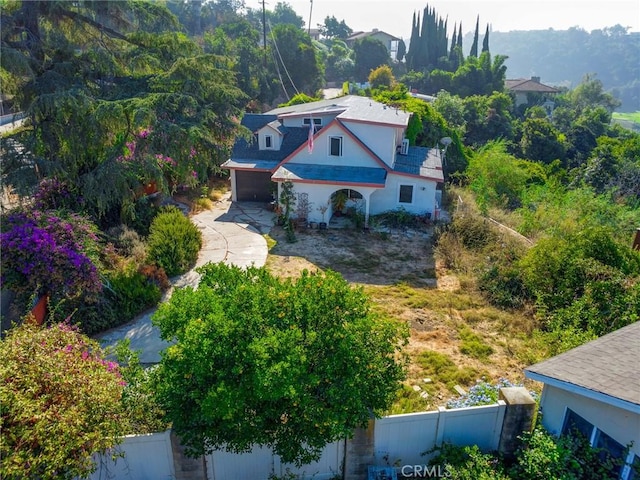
[(636, 240), (374, 30), (536, 79)]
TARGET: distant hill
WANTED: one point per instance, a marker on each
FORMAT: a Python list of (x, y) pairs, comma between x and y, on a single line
[(564, 57)]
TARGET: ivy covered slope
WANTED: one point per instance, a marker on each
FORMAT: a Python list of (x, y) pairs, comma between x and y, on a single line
[(291, 364)]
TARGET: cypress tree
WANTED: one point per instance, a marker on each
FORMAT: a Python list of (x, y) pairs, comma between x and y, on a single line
[(474, 45), (485, 42), (454, 40), (460, 36), (413, 43)]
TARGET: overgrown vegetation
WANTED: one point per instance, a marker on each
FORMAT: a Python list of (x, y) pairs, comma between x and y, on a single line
[(541, 456)]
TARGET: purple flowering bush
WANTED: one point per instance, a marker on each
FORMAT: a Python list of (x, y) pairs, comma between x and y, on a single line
[(43, 251), (55, 194)]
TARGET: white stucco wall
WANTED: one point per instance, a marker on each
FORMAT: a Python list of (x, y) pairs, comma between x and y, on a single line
[(320, 194), (381, 139), (353, 155), (622, 425), (388, 198)]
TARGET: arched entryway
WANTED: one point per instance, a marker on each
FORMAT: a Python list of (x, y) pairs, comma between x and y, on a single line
[(349, 203)]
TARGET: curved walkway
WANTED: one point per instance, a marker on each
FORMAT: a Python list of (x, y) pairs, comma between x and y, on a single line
[(231, 233)]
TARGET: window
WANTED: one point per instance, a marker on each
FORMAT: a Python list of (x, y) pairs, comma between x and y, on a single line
[(335, 146), (317, 122), (406, 194), (268, 141), (575, 424), (611, 450)]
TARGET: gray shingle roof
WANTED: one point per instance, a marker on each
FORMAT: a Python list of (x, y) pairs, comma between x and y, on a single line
[(292, 138), (350, 107), (422, 161), (608, 367)]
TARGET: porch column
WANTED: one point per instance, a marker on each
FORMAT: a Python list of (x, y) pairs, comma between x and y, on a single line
[(366, 209)]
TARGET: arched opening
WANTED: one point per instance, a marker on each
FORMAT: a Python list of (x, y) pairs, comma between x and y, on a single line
[(348, 203)]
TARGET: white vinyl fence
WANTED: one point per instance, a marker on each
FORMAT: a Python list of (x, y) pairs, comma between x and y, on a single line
[(399, 440), (146, 457)]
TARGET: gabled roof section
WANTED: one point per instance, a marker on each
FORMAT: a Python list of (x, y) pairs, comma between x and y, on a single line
[(529, 85), (422, 162), (349, 107), (247, 155), (358, 35), (606, 369), (348, 132), (255, 121), (277, 126)]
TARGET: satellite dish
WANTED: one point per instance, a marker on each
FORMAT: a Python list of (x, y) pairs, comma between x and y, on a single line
[(446, 141)]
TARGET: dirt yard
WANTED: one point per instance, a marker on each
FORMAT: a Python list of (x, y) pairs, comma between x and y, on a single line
[(455, 337)]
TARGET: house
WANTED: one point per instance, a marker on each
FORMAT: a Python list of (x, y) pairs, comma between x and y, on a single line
[(387, 39), (352, 145), (526, 89), (595, 389)]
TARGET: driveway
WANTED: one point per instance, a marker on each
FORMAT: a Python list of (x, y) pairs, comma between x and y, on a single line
[(231, 233)]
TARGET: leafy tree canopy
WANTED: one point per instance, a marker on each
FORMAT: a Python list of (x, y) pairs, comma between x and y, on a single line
[(334, 29), (61, 403), (369, 54), (291, 364), (98, 90)]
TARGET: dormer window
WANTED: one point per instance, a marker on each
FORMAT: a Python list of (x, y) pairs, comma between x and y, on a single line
[(268, 141), (317, 122)]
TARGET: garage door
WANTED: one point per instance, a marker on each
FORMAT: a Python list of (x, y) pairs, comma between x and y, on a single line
[(253, 186)]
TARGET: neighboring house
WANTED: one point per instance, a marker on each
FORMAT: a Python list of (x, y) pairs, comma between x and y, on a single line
[(357, 147), (595, 389), (388, 40), (525, 89)]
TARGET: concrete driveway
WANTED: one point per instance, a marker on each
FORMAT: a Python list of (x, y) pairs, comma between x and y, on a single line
[(231, 233)]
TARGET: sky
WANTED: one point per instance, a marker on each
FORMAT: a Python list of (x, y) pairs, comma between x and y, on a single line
[(395, 16)]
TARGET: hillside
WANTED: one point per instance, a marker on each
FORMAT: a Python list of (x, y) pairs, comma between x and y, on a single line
[(564, 57)]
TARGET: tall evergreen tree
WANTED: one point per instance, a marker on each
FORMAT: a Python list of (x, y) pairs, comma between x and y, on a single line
[(485, 42), (460, 36), (474, 45), (454, 41), (413, 42)]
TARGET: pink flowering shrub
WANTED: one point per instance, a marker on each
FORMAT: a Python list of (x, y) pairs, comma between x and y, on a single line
[(61, 403)]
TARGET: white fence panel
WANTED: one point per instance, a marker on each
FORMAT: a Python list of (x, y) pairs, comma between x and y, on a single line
[(146, 457), (400, 439), (256, 464), (479, 426), (328, 466)]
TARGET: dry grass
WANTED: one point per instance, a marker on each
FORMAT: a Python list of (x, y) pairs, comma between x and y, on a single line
[(456, 337)]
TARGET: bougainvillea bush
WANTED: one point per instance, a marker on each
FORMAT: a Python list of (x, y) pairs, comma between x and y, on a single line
[(60, 402), (46, 252)]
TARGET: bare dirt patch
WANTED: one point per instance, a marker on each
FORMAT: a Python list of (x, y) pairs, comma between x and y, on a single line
[(398, 271), (364, 257)]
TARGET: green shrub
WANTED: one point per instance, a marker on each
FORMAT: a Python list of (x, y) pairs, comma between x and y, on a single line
[(134, 292), (128, 242), (174, 241), (503, 286)]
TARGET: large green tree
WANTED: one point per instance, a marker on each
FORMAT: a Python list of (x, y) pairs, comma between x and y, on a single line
[(111, 90), (290, 364), (296, 62), (369, 54), (60, 402)]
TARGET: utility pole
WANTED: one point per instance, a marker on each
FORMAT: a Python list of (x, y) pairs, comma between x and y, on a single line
[(264, 35), (309, 27)]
